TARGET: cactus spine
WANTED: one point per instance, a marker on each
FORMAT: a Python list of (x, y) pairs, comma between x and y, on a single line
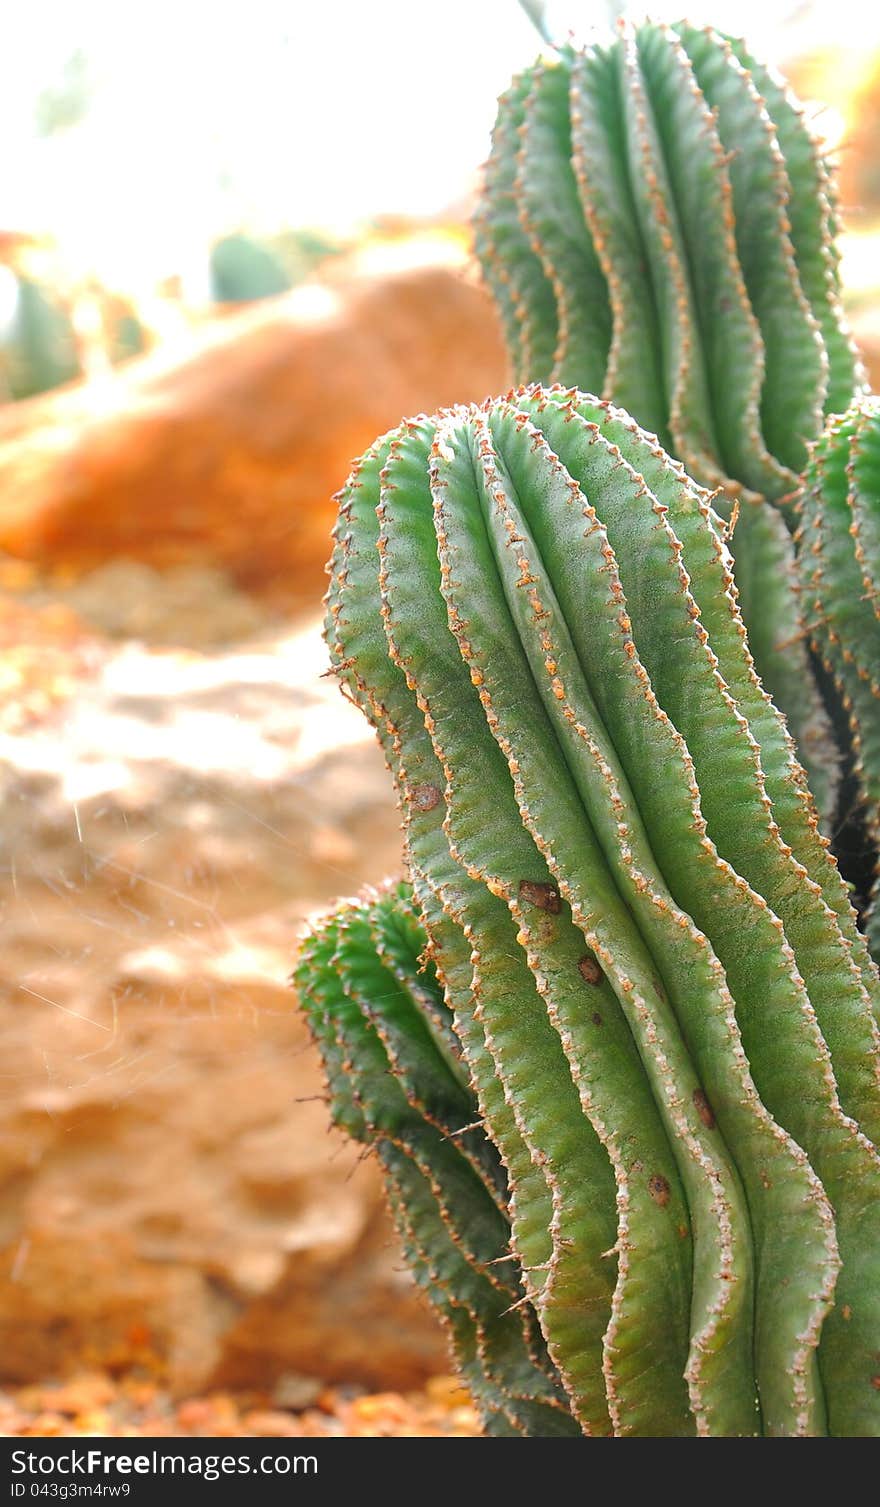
[(653, 969), (393, 1070), (839, 563), (656, 225)]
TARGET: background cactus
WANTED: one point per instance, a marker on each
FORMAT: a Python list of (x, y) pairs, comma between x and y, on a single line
[(651, 962), (839, 562), (396, 1083), (657, 225), (37, 344), (242, 270)]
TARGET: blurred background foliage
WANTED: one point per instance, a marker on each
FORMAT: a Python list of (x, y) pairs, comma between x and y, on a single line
[(161, 161)]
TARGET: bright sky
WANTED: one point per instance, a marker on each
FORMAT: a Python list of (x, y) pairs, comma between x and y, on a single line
[(278, 111)]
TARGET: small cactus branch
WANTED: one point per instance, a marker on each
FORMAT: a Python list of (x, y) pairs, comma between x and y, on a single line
[(402, 1092)]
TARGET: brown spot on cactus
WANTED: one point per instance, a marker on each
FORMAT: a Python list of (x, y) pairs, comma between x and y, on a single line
[(547, 930), (704, 1108), (370, 1006), (425, 797), (544, 896), (658, 1188), (597, 1019), (589, 970), (840, 591)]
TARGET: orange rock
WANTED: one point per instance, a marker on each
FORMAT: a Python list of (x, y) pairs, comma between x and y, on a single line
[(46, 1425), (203, 1415), (220, 1415), (447, 1392), (866, 328), (271, 1424), (82, 1394), (94, 1422), (139, 1393), (230, 455)]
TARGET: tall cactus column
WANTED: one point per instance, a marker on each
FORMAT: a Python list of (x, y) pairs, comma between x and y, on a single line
[(526, 1072), (656, 225), (656, 221), (664, 1005)]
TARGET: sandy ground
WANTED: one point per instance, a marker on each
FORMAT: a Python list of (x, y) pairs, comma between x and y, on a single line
[(92, 1404), (181, 789)]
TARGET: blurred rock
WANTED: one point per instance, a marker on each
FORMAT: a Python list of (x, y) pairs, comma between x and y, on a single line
[(840, 86), (196, 605), (171, 1195), (866, 329), (228, 455)]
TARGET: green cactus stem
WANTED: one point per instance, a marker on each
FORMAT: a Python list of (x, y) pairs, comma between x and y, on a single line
[(653, 968), (396, 1084), (657, 225), (839, 562)]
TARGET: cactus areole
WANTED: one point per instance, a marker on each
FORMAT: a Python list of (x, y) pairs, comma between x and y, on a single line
[(649, 963)]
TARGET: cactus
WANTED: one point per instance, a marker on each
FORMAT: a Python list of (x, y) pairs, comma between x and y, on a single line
[(38, 345), (657, 225), (244, 271), (396, 1083), (839, 564), (124, 334), (651, 963)]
